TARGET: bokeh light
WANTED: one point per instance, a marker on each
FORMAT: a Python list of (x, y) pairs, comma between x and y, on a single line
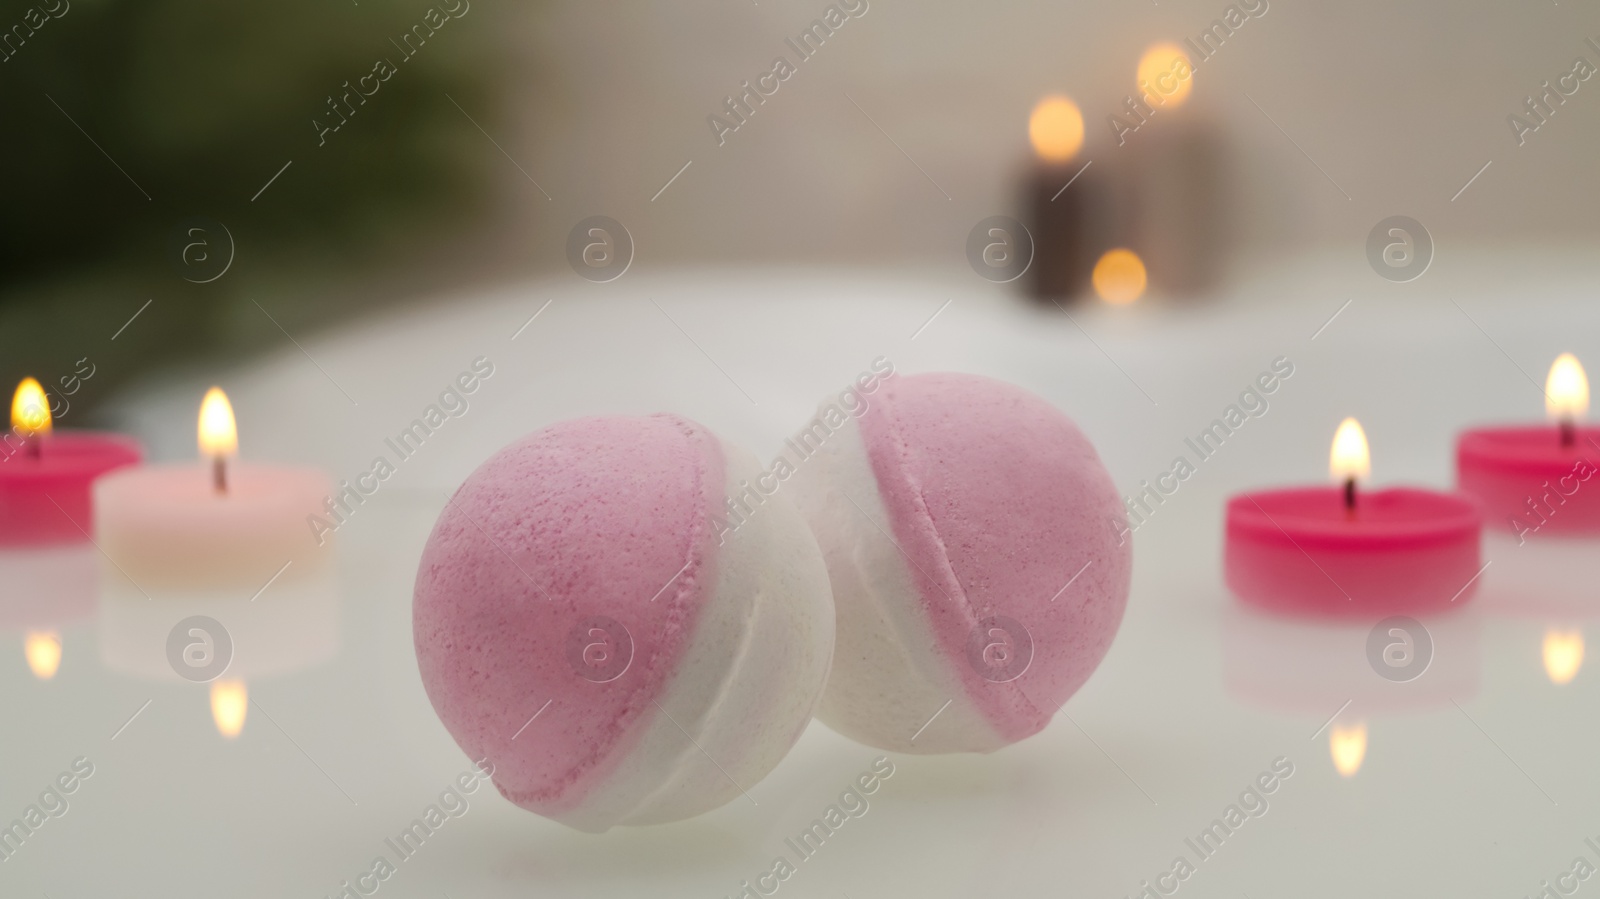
[(1119, 277), (1563, 654), (229, 703), (43, 650), (1166, 74), (1056, 129)]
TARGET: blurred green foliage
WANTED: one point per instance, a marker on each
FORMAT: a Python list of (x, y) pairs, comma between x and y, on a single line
[(128, 119)]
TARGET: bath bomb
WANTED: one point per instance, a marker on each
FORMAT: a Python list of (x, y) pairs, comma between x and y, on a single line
[(972, 537), (587, 621)]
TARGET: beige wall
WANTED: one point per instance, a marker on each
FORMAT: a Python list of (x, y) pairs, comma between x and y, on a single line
[(1400, 103)]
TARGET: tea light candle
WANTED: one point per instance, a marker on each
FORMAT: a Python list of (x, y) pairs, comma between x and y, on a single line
[(45, 476), (1339, 551), (216, 524), (1537, 480)]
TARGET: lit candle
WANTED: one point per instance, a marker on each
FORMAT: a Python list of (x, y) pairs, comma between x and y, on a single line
[(1071, 225), (1538, 480), (219, 524), (1344, 551), (45, 474), (1180, 201)]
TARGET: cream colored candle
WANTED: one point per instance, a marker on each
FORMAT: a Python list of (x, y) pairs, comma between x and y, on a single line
[(219, 523)]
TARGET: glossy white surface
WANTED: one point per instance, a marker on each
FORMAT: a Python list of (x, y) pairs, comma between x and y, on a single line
[(1478, 779)]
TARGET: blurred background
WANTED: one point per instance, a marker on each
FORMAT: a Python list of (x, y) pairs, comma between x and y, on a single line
[(172, 151)]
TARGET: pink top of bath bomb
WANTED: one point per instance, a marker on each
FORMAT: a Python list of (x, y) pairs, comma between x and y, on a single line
[(999, 500), (584, 518)]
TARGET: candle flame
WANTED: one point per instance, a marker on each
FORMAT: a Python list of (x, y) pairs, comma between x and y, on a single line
[(1119, 277), (30, 410), (1563, 654), (1165, 75), (1566, 390), (1056, 129), (1349, 457), (43, 649), (219, 435), (1348, 746), (229, 702)]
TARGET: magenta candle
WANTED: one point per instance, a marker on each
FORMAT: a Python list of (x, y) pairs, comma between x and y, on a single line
[(45, 476), (1530, 482), (1400, 550), (1341, 551), (1535, 480)]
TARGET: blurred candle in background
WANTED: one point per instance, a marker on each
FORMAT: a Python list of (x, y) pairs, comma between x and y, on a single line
[(1067, 207), (1176, 160), (1537, 480), (45, 476)]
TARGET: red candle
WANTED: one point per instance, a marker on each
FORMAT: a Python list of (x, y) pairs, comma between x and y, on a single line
[(45, 476), (1537, 480), (1338, 551)]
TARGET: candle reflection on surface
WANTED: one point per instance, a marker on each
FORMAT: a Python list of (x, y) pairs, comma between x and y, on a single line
[(285, 629), (1348, 746), (1563, 654), (229, 702), (43, 650)]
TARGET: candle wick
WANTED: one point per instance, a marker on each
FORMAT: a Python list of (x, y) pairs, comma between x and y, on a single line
[(1569, 432), (1349, 493), (219, 474), (32, 445)]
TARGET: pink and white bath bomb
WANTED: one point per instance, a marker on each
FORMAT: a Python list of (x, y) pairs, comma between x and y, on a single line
[(585, 620), (968, 528)]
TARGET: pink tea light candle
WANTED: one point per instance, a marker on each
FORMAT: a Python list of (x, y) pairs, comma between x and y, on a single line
[(1536, 480), (1339, 551), (45, 475), (217, 524)]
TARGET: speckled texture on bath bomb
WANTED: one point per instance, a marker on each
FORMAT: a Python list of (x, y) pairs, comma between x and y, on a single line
[(1005, 579), (584, 616)]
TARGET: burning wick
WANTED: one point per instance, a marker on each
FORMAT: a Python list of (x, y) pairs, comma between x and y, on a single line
[(30, 415), (219, 435), (1566, 396), (1349, 459)]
